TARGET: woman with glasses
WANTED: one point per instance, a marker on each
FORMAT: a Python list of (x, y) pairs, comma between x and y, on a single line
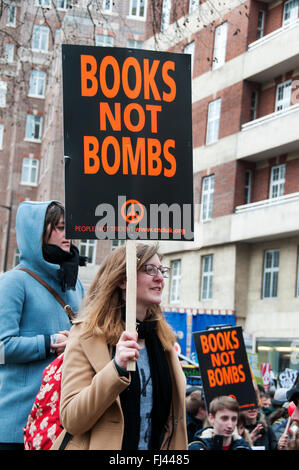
[(102, 405)]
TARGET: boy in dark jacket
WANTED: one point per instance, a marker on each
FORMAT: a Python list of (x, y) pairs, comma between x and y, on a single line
[(222, 435)]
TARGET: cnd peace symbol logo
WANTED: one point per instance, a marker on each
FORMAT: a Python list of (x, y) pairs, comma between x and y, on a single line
[(132, 211)]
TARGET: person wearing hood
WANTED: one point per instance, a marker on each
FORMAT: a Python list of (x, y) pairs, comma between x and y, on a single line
[(33, 325)]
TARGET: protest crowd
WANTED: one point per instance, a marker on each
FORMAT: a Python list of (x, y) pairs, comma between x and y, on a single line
[(64, 382)]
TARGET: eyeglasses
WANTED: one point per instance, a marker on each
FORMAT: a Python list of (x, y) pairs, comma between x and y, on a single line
[(152, 270)]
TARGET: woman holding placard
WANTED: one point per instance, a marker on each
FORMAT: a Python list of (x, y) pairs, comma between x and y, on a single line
[(103, 406)]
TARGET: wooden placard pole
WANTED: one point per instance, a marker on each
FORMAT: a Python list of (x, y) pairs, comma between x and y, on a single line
[(131, 287)]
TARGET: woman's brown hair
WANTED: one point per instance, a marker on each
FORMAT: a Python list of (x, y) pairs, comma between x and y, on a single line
[(103, 305), (54, 211)]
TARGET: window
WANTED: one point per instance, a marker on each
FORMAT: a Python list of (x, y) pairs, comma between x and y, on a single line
[(297, 287), (64, 4), (29, 171), (290, 12), (220, 45), (40, 38), (175, 281), (207, 277), (9, 52), (277, 181), (88, 248), (283, 95), (193, 5), (165, 16), (1, 136), (34, 127), (104, 40), (12, 16), (189, 49), (253, 105), (207, 196), (213, 121), (37, 83), (138, 8), (248, 185), (135, 44), (116, 243), (3, 92), (260, 24), (43, 3), (107, 5), (271, 269)]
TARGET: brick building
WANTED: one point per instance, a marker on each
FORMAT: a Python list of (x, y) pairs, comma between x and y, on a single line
[(31, 128), (245, 95)]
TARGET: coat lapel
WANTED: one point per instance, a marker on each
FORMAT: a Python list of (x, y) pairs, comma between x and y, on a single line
[(96, 351)]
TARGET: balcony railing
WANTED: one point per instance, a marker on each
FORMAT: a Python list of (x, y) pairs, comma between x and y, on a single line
[(270, 117), (273, 35), (267, 203)]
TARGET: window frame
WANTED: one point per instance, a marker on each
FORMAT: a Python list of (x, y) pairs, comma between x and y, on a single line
[(40, 34), (34, 83), (274, 273), (34, 117), (220, 43), (279, 183), (248, 186), (260, 27), (3, 94), (293, 12), (175, 281), (207, 277), (138, 7), (207, 198), (190, 49), (106, 41), (85, 246), (30, 164), (213, 121), (13, 23), (284, 102), (165, 15), (1, 136)]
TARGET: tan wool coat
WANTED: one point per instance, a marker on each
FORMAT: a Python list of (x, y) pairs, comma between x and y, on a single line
[(90, 408)]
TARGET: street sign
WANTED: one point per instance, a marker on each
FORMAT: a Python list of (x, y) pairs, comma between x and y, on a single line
[(127, 144), (224, 366)]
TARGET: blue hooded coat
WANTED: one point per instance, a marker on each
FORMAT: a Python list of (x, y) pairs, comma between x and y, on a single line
[(28, 315)]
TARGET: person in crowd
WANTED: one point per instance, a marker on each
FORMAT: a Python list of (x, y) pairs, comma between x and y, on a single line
[(260, 432), (289, 439), (242, 431), (266, 404), (103, 405), (222, 435), (33, 325), (279, 418), (196, 413)]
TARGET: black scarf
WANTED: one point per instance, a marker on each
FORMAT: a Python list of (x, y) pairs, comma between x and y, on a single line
[(69, 264), (162, 392)]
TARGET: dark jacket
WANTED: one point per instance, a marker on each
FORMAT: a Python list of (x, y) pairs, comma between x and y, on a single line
[(204, 440), (268, 439), (193, 425)]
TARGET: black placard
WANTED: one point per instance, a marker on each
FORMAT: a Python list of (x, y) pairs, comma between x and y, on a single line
[(127, 144), (224, 365)]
